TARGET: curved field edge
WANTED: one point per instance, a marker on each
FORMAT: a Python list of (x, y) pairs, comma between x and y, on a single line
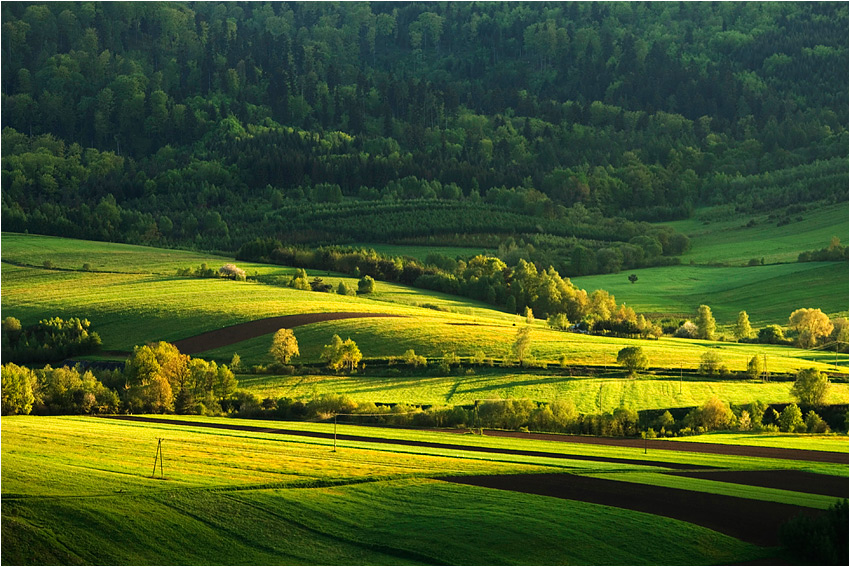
[(355, 524)]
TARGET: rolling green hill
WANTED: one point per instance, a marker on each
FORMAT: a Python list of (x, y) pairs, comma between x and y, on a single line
[(133, 308), (243, 497)]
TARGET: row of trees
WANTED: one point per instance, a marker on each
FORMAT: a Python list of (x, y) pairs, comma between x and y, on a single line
[(156, 378), (809, 328), (48, 340), (559, 416), (485, 278)]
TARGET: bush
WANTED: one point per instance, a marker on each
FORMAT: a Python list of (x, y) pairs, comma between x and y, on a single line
[(632, 359), (791, 420), (686, 330), (772, 335), (343, 289), (709, 363), (230, 271), (814, 423), (365, 285), (412, 359), (558, 322)]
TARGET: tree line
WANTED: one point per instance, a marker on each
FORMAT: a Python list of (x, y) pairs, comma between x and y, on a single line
[(156, 378), (48, 340)]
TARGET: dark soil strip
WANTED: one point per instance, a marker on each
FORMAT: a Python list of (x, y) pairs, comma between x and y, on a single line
[(427, 444), (754, 521), (685, 446), (798, 481), (253, 329)]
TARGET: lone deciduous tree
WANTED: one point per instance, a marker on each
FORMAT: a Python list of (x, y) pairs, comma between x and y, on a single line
[(810, 387), (755, 367), (811, 324), (633, 278), (522, 344), (705, 323), (632, 359), (284, 346), (743, 330)]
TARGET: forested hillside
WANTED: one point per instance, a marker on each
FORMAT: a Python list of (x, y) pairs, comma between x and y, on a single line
[(210, 124)]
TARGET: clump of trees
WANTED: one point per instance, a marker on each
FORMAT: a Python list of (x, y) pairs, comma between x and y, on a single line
[(835, 252), (48, 340), (52, 391), (157, 378), (341, 354)]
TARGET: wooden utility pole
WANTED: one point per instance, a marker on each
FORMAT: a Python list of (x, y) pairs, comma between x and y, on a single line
[(158, 457)]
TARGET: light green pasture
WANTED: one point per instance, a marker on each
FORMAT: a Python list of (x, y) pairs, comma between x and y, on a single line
[(767, 293), (77, 490), (590, 395), (432, 336), (727, 239), (835, 443)]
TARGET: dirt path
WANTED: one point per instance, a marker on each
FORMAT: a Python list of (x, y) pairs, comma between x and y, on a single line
[(754, 521), (685, 446), (253, 329)]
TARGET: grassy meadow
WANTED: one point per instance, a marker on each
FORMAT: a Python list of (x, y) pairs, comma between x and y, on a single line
[(590, 395), (767, 293), (154, 304), (721, 236), (79, 490)]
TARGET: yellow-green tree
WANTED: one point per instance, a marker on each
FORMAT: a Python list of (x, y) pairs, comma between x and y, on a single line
[(284, 346), (811, 324)]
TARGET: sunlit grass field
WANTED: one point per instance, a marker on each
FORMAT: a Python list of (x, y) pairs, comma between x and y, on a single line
[(130, 309), (590, 395), (79, 490), (836, 443), (767, 293), (727, 239)]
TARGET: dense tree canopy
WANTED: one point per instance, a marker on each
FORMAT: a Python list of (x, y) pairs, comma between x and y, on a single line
[(208, 124)]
